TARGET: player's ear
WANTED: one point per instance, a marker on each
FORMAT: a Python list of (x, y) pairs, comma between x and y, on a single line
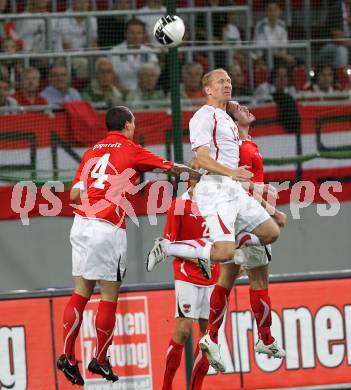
[(208, 91)]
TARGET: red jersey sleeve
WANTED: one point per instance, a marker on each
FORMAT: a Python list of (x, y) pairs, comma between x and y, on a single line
[(147, 161), (173, 224)]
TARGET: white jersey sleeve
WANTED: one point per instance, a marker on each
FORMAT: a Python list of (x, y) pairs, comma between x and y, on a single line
[(201, 127)]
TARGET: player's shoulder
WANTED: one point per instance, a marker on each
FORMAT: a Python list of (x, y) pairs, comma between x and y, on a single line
[(204, 111), (248, 146), (245, 144)]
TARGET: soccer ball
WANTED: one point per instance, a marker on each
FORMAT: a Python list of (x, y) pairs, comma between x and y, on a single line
[(169, 30)]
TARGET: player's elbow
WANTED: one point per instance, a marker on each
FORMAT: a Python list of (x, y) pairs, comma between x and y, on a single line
[(74, 195)]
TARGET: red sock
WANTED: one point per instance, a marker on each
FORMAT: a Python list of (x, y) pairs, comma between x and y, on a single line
[(72, 320), (199, 370), (174, 357), (104, 325), (261, 307), (218, 305)]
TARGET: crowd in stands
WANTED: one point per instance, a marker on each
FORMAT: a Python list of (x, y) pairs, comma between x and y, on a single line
[(142, 79)]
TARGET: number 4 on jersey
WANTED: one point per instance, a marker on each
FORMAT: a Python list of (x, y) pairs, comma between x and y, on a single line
[(99, 171)]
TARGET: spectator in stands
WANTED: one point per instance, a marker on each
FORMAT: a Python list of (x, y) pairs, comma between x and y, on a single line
[(237, 76), (270, 31), (150, 20), (230, 32), (111, 29), (102, 89), (28, 94), (75, 33), (279, 83), (15, 67), (33, 31), (8, 27), (128, 65), (148, 77), (219, 20), (3, 8), (59, 89), (338, 23), (324, 80), (5, 99), (191, 89)]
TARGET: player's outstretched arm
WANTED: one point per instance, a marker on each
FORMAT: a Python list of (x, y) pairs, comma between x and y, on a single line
[(178, 169), (205, 161)]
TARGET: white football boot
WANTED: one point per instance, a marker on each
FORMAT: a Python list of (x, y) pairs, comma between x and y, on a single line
[(212, 352), (273, 349), (156, 255)]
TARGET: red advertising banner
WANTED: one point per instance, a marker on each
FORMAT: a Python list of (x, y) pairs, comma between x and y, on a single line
[(311, 320), (144, 325), (26, 345)]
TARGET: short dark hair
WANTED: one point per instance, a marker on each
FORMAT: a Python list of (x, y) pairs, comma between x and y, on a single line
[(135, 22), (117, 117)]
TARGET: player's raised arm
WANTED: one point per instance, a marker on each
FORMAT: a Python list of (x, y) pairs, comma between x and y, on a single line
[(206, 162)]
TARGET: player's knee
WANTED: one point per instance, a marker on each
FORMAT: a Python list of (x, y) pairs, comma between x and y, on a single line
[(222, 253), (183, 329), (271, 235), (183, 334)]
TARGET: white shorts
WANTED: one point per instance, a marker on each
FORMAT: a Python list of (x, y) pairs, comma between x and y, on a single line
[(98, 250), (253, 256), (227, 207), (192, 301)]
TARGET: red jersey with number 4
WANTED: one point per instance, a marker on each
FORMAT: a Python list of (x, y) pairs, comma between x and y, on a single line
[(107, 172), (188, 225), (251, 156)]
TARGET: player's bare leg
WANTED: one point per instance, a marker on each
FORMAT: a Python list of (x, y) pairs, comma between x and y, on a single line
[(218, 306), (222, 251), (267, 232), (104, 326), (261, 307), (72, 320)]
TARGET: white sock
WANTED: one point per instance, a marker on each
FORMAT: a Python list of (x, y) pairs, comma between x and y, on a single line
[(188, 249), (246, 239)]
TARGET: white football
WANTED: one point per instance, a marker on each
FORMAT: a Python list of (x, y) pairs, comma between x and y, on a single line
[(169, 30)]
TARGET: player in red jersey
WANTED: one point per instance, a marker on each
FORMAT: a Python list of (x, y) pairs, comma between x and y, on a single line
[(107, 172), (192, 289)]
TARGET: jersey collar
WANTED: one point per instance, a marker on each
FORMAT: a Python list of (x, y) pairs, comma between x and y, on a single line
[(116, 133)]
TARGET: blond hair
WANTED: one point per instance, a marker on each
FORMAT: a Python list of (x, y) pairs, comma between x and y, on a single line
[(206, 78)]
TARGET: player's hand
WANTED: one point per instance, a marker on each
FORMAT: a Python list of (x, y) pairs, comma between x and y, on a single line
[(194, 164), (241, 173), (231, 108), (280, 218)]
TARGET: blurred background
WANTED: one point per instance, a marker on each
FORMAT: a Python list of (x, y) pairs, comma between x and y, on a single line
[(63, 63)]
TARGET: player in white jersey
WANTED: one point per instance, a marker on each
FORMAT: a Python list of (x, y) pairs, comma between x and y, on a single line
[(222, 201)]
